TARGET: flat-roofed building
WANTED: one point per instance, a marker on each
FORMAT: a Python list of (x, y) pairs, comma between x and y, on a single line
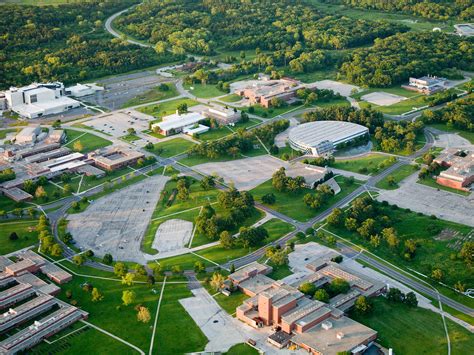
[(460, 172), (176, 123), (17, 194), (465, 29), (37, 100), (80, 90), (115, 158), (28, 135), (426, 84), (323, 137), (222, 115)]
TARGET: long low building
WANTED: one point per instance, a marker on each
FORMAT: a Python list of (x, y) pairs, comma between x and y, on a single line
[(322, 137), (115, 158), (460, 172), (177, 123)]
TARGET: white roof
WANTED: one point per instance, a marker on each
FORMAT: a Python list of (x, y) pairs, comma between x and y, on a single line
[(39, 107), (178, 121), (313, 133), (199, 129)]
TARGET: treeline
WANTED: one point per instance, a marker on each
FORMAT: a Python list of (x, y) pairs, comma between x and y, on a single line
[(66, 43), (7, 174), (394, 59), (430, 9), (458, 114), (202, 26), (241, 142), (389, 136)]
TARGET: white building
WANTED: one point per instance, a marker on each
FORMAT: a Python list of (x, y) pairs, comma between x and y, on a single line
[(28, 135), (322, 137), (177, 123), (80, 90), (222, 114), (465, 29), (38, 100)]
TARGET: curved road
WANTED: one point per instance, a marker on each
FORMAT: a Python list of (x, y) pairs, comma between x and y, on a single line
[(110, 29)]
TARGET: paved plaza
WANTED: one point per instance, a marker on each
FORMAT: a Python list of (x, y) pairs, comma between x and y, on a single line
[(116, 223), (117, 123), (427, 200), (173, 234), (381, 98)]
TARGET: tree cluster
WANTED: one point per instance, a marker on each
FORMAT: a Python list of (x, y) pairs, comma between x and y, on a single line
[(457, 114), (283, 183)]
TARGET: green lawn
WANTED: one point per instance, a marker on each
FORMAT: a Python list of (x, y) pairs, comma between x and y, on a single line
[(242, 349), (414, 103), (336, 102), (272, 111), (398, 175), (3, 132), (276, 229), (231, 98), (279, 272), (7, 204), (432, 183), (395, 90), (154, 94), (329, 73), (197, 159), (431, 252), (368, 164), (25, 229), (173, 320), (130, 138), (89, 141), (166, 108), (405, 335), (443, 127), (228, 303), (206, 91), (287, 153), (223, 131), (292, 205), (173, 147)]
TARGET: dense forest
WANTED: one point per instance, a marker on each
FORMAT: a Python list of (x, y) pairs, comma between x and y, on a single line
[(458, 114), (66, 43), (201, 27), (392, 60), (430, 9)]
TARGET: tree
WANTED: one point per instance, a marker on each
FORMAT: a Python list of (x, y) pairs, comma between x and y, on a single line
[(143, 315), (120, 269), (128, 297), (78, 259), (183, 192), (321, 295), (128, 279), (40, 193), (208, 182), (199, 267), (13, 236), (395, 295), (216, 281), (232, 268), (56, 250), (411, 300), (467, 252), (391, 181), (437, 274), (150, 279), (338, 286), (307, 288), (336, 217), (96, 295), (176, 269), (363, 305), (226, 240), (107, 259), (77, 146), (367, 228), (182, 108), (140, 269), (269, 198), (351, 224)]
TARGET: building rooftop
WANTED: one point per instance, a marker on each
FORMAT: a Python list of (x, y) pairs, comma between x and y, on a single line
[(342, 335), (314, 133), (176, 120), (248, 270), (257, 284)]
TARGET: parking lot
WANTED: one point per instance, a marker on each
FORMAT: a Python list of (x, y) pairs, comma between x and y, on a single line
[(427, 200), (341, 88), (116, 124), (173, 235), (116, 223), (381, 98)]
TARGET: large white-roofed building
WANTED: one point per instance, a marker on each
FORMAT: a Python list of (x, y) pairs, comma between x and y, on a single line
[(176, 123), (322, 137)]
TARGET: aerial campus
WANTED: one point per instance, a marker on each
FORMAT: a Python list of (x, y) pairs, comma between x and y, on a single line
[(236, 177)]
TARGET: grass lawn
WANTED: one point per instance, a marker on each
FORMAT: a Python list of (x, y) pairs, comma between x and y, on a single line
[(197, 159), (89, 141), (231, 98), (4, 132), (223, 131), (395, 90), (7, 204), (328, 73), (166, 108), (432, 183), (276, 229), (204, 91), (272, 111), (287, 153), (228, 303), (336, 102), (130, 138), (173, 320), (368, 164), (443, 127), (405, 322), (398, 175), (154, 94), (415, 102), (431, 252), (25, 229), (242, 349), (279, 272), (173, 147), (291, 204)]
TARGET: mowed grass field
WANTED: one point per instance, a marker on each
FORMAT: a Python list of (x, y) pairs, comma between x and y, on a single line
[(414, 331), (25, 229), (89, 141), (292, 205), (368, 164), (173, 147), (154, 94), (166, 108), (398, 175), (204, 91)]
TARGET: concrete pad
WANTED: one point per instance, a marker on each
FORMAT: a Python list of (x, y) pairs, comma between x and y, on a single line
[(341, 88), (116, 223), (116, 124), (381, 98), (450, 140), (173, 234), (427, 200)]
